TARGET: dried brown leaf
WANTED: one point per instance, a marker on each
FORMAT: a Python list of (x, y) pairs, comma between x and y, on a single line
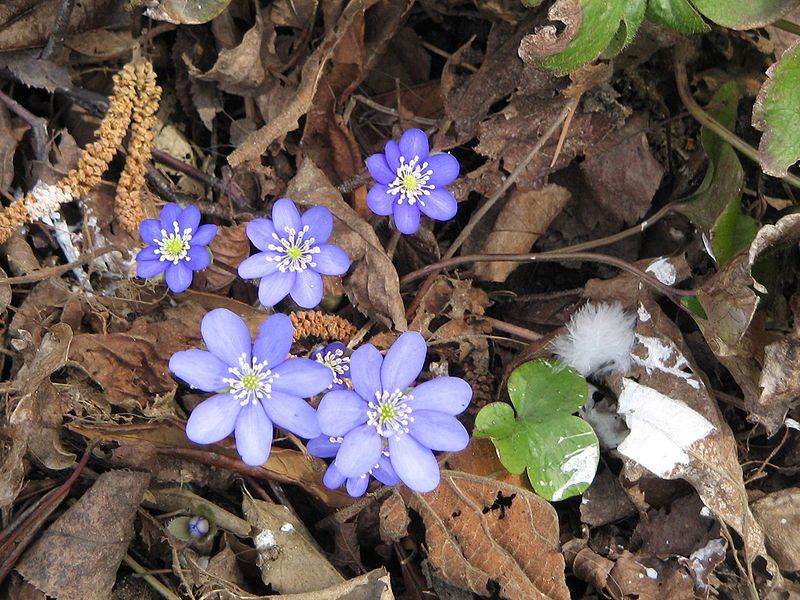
[(549, 39), (10, 136), (372, 283), (289, 559), (480, 530), (38, 410), (622, 172), (131, 367), (297, 104), (230, 247), (375, 585), (239, 70), (605, 501), (525, 217), (35, 26), (778, 514), (77, 557)]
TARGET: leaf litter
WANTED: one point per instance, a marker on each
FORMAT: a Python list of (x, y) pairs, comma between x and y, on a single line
[(628, 200)]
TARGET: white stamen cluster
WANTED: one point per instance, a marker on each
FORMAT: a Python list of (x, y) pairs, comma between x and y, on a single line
[(390, 414), (337, 362), (250, 382), (294, 252), (411, 182), (174, 246)]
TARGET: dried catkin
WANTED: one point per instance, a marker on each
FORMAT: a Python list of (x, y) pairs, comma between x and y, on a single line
[(309, 323), (128, 201), (136, 96)]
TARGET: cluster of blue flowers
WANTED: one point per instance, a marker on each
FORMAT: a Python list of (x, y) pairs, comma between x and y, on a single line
[(372, 420)]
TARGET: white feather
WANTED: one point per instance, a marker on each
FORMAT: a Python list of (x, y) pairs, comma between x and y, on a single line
[(598, 341)]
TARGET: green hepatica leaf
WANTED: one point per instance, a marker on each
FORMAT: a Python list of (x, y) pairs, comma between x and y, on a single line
[(716, 208), (679, 15), (631, 21), (558, 450), (590, 27), (187, 12), (744, 14), (776, 114)]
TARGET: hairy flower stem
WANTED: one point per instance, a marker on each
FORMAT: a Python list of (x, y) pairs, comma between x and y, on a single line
[(706, 120)]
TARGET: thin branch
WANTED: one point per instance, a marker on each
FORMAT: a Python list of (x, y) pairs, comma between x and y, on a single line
[(56, 39), (61, 269), (38, 125), (549, 257), (148, 577)]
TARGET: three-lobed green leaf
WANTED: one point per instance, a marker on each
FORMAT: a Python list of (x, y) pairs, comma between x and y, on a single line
[(559, 450)]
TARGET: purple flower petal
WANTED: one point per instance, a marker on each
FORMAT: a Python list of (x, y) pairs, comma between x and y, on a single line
[(322, 447), (226, 336), (379, 169), (189, 218), (170, 214), (360, 451), (178, 277), (445, 169), (392, 154), (213, 419), (302, 377), (414, 464), (414, 143), (440, 205), (403, 362), (307, 289), (331, 260), (150, 230), (204, 235), (274, 340), (258, 265), (260, 232), (385, 472), (199, 258), (333, 478), (285, 214), (438, 431), (292, 414), (365, 369), (319, 221), (449, 395), (150, 268), (148, 253), (274, 288), (253, 435), (340, 412), (356, 486), (406, 218), (200, 369), (380, 201)]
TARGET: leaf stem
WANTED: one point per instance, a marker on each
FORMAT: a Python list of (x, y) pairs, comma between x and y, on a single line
[(706, 120)]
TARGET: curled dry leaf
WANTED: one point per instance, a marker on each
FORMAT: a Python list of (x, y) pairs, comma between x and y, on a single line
[(549, 39), (480, 530), (77, 557), (677, 430), (297, 104), (525, 217), (375, 585), (38, 410), (372, 283), (289, 559)]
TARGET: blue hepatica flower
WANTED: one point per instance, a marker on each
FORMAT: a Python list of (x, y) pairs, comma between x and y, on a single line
[(384, 413), (257, 385), (176, 246), (410, 180), (293, 254), (334, 356), (328, 447)]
